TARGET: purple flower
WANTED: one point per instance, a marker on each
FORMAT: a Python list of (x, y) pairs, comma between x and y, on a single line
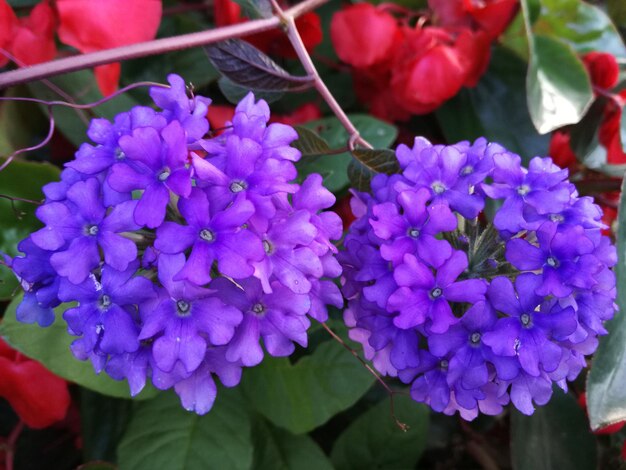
[(158, 165), (75, 230), (186, 321), (213, 235), (425, 296)]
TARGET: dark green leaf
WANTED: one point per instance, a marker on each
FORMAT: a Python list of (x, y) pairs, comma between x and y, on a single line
[(250, 68), (51, 347), (277, 449), (559, 90), (622, 129), (309, 143), (162, 434), (255, 8), (368, 163), (495, 109), (97, 465), (555, 436), (606, 383), (82, 88), (20, 179), (585, 27), (235, 93), (334, 168), (374, 440), (302, 396), (617, 11)]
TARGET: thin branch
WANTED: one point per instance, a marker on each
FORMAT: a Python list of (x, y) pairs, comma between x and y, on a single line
[(11, 443), (287, 19), (403, 426), (143, 49)]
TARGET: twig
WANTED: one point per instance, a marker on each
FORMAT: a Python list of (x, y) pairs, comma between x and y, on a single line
[(403, 426), (143, 49), (288, 21), (11, 443)]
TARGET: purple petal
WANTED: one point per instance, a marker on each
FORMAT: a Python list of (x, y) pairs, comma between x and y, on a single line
[(150, 210)]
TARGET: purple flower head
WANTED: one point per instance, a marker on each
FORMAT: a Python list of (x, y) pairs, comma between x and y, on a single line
[(76, 228), (213, 235), (157, 165)]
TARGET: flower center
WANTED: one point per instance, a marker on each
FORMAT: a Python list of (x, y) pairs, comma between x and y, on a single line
[(443, 364), (258, 308), (105, 301), (91, 230), (475, 338), (413, 233), (525, 319), (438, 187), (552, 261), (267, 246), (523, 190), (467, 170), (436, 292), (165, 174), (119, 154), (182, 308), (238, 186), (556, 218), (207, 235)]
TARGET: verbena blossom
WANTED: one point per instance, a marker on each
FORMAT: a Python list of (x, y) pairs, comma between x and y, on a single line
[(475, 314), (188, 256)]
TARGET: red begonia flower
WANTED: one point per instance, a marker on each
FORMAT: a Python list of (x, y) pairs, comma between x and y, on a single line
[(603, 69), (609, 134), (490, 16), (305, 113), (561, 150), (8, 21), (363, 35), (39, 397), (219, 115), (91, 26)]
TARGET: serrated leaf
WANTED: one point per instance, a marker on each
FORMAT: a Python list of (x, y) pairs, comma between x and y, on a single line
[(277, 449), (309, 143), (606, 382), (367, 163), (302, 396), (20, 179), (235, 93), (334, 168), (162, 435), (255, 8), (559, 89), (51, 347), (250, 68), (374, 440), (555, 436)]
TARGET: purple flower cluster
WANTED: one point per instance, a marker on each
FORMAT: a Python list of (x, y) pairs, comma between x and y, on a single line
[(182, 252), (476, 314)]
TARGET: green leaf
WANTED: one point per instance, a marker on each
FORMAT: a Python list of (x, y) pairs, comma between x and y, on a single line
[(51, 347), (309, 143), (277, 449), (255, 8), (235, 93), (162, 434), (495, 109), (19, 179), (82, 88), (606, 382), (374, 440), (334, 168), (250, 68), (559, 90), (302, 396), (583, 26), (367, 163), (555, 436)]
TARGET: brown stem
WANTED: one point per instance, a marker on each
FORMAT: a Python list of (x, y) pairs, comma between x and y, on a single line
[(11, 442), (143, 49), (288, 20), (403, 426)]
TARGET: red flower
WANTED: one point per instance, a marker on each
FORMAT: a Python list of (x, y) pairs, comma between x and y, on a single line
[(95, 25), (490, 16), (30, 40), (363, 35), (603, 69), (274, 41), (609, 135), (305, 113), (219, 115), (433, 64), (39, 397), (561, 151)]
